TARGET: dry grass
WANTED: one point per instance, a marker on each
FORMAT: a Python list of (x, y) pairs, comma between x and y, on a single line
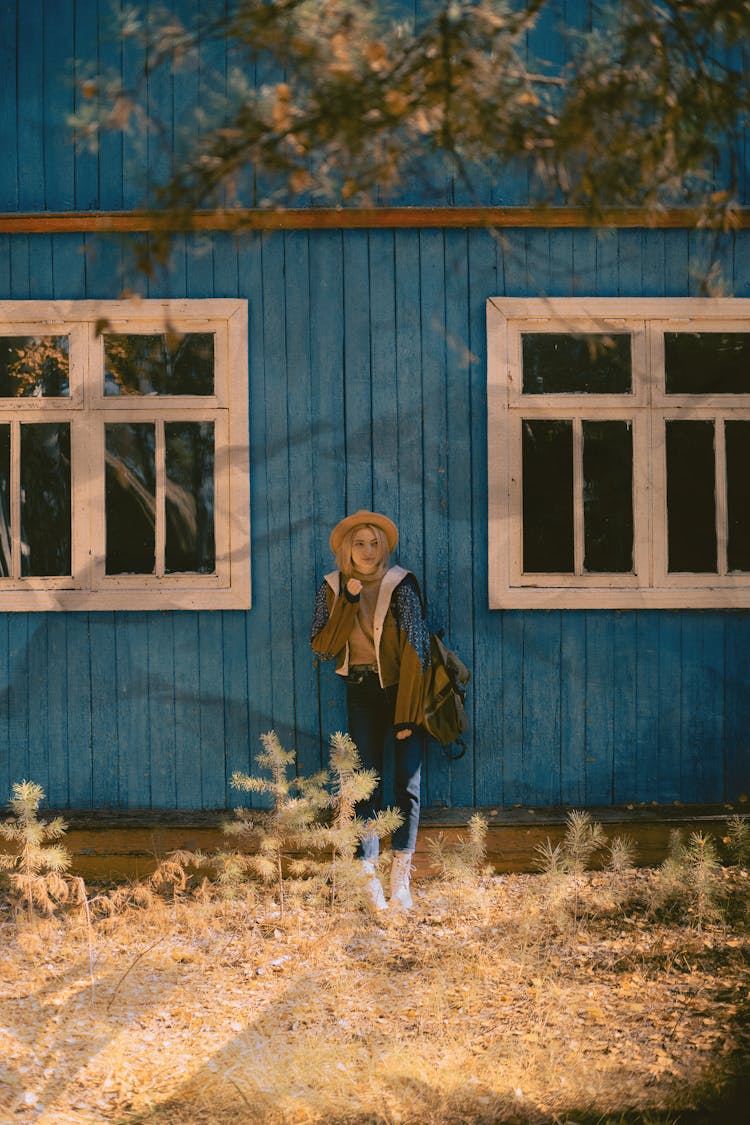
[(486, 1004)]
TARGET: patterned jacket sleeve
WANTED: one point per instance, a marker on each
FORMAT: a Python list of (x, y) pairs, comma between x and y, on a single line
[(414, 652), (333, 618)]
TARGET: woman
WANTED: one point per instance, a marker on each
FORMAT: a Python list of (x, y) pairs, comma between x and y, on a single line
[(369, 618)]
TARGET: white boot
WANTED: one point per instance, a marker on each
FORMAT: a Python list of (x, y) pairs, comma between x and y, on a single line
[(374, 888), (400, 871)]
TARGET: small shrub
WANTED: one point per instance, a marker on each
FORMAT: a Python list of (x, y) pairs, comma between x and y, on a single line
[(349, 785), (737, 840), (687, 882), (36, 869), (564, 864), (284, 827), (465, 861)]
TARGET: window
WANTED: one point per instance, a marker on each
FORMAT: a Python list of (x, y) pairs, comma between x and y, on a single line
[(619, 452), (124, 480)]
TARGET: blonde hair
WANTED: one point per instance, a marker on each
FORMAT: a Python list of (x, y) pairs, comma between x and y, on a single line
[(344, 553)]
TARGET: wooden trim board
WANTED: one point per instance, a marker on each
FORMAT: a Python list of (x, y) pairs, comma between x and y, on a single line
[(123, 844), (353, 218)]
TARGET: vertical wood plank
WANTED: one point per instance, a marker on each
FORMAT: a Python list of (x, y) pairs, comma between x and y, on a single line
[(702, 773), (409, 404), (78, 707), (495, 661), (670, 710), (737, 724), (384, 394), (435, 446), (236, 719), (276, 407), (131, 700), (541, 709), (40, 266), (38, 701), (104, 732), (514, 788), (259, 641), (301, 499), (19, 669), (573, 708), (60, 759), (357, 389), (187, 718), (58, 46), (625, 707), (6, 778), (211, 711), (460, 424), (161, 708), (30, 87), (328, 449), (600, 691), (647, 695), (9, 109)]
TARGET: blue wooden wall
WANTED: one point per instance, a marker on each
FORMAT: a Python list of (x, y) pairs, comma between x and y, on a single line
[(367, 389)]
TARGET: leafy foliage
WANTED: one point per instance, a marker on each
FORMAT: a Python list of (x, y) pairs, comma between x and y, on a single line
[(344, 100)]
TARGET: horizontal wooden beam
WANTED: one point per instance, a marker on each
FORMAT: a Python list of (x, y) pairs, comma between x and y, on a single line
[(350, 218), (125, 844)]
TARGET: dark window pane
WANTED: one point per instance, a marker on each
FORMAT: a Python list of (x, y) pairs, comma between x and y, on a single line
[(190, 497), (45, 499), (608, 497), (163, 364), (691, 497), (702, 363), (548, 545), (738, 495), (6, 557), (130, 498), (558, 363), (34, 366)]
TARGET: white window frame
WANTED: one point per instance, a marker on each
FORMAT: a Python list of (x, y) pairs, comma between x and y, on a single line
[(88, 410), (648, 407)]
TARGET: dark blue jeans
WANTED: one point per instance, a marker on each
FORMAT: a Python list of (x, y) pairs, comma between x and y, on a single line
[(371, 710)]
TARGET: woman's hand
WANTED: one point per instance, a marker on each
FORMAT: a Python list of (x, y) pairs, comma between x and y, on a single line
[(354, 586), (401, 734)]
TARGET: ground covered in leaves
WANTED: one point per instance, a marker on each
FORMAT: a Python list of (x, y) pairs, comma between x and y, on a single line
[(504, 1001)]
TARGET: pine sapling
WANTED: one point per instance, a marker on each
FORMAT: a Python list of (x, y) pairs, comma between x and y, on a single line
[(565, 864), (737, 839), (688, 878), (466, 860), (349, 785), (287, 824), (36, 868)]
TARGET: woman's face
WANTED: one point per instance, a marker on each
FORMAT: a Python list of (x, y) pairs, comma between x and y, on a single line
[(365, 551)]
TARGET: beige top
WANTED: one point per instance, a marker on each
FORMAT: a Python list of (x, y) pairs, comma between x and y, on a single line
[(361, 639)]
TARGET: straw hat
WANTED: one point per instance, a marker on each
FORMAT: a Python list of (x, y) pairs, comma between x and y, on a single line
[(358, 519)]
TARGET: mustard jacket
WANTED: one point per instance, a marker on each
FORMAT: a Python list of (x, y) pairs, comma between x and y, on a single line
[(402, 644)]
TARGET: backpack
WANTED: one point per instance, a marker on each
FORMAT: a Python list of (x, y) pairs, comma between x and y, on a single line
[(445, 717)]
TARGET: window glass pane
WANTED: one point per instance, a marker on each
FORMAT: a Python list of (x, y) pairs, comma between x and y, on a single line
[(691, 497), (738, 495), (548, 545), (34, 367), (6, 558), (707, 363), (561, 363), (608, 497), (163, 364), (189, 453), (130, 498), (45, 499)]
